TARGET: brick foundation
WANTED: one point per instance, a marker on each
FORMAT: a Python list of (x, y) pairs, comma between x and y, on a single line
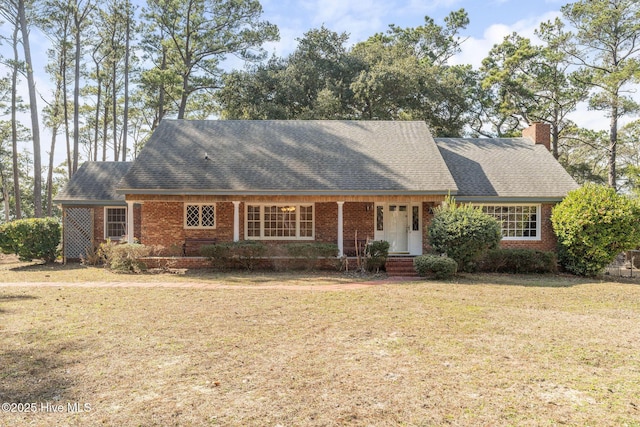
[(261, 264)]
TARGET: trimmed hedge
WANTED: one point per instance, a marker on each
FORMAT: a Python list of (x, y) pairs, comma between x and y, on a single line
[(34, 238), (518, 261), (234, 254), (301, 255), (440, 267), (311, 250)]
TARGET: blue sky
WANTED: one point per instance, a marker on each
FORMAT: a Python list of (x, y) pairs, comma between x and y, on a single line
[(490, 20)]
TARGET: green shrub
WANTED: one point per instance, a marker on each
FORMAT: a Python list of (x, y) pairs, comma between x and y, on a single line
[(463, 232), (234, 254), (440, 267), (518, 261), (311, 250), (593, 225), (376, 253), (305, 255), (124, 258), (34, 238)]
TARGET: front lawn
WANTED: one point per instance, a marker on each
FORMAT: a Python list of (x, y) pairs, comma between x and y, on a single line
[(485, 350)]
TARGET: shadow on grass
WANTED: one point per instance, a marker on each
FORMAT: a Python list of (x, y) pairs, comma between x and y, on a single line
[(35, 374), (52, 266), (537, 280), (15, 297)]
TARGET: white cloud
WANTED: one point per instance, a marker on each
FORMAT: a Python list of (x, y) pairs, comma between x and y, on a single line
[(359, 19), (474, 50)]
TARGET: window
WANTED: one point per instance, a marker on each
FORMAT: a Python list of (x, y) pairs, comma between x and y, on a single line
[(380, 218), (279, 222), (199, 216), (518, 222), (415, 219), (115, 223)]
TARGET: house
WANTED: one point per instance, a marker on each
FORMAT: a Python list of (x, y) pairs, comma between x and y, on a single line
[(312, 181)]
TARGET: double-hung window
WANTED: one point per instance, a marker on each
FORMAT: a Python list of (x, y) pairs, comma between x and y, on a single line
[(279, 221), (199, 215), (518, 222), (115, 223)]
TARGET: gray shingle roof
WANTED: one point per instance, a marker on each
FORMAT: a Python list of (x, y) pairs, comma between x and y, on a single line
[(94, 183), (289, 157), (504, 167)]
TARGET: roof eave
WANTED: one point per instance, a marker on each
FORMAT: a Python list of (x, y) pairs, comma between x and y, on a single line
[(87, 202), (192, 192), (509, 199)]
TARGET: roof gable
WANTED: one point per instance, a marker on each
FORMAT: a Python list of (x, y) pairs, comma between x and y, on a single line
[(289, 157), (94, 183), (504, 168)]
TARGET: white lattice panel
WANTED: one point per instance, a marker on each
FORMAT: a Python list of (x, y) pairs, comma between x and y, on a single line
[(78, 232)]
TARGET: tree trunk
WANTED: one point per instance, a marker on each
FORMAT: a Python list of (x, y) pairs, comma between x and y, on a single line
[(65, 112), (54, 131), (14, 126), (76, 90), (161, 95), (5, 197), (613, 145), (33, 105), (125, 113), (183, 98), (96, 126), (555, 133), (114, 107), (105, 122)]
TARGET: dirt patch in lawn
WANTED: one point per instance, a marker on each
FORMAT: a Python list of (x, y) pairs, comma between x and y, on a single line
[(466, 353)]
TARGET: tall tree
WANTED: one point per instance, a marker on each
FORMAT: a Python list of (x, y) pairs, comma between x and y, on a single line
[(532, 83), (33, 106), (607, 46), (5, 129), (9, 11), (81, 10), (200, 33), (56, 23), (129, 10)]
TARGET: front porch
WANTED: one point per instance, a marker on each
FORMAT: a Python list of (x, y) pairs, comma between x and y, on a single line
[(349, 223)]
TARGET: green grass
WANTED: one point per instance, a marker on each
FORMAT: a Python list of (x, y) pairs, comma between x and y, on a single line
[(480, 350)]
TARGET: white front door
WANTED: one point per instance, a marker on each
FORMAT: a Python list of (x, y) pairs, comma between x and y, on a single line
[(398, 228), (400, 225)]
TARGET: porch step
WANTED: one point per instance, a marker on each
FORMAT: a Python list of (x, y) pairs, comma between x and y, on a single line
[(400, 266)]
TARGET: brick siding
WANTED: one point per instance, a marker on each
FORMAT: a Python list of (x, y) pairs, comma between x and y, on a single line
[(161, 223), (547, 242)]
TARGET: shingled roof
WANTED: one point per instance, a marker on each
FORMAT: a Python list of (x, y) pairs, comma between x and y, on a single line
[(95, 183), (504, 168), (289, 158)]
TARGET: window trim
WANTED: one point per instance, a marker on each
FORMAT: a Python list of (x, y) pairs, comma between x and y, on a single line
[(200, 226), (106, 222), (262, 205), (538, 206)]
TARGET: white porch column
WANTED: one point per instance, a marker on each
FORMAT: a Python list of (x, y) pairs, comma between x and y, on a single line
[(340, 229), (236, 221), (130, 227)]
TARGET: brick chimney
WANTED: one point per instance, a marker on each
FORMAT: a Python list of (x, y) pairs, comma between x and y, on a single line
[(539, 133)]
